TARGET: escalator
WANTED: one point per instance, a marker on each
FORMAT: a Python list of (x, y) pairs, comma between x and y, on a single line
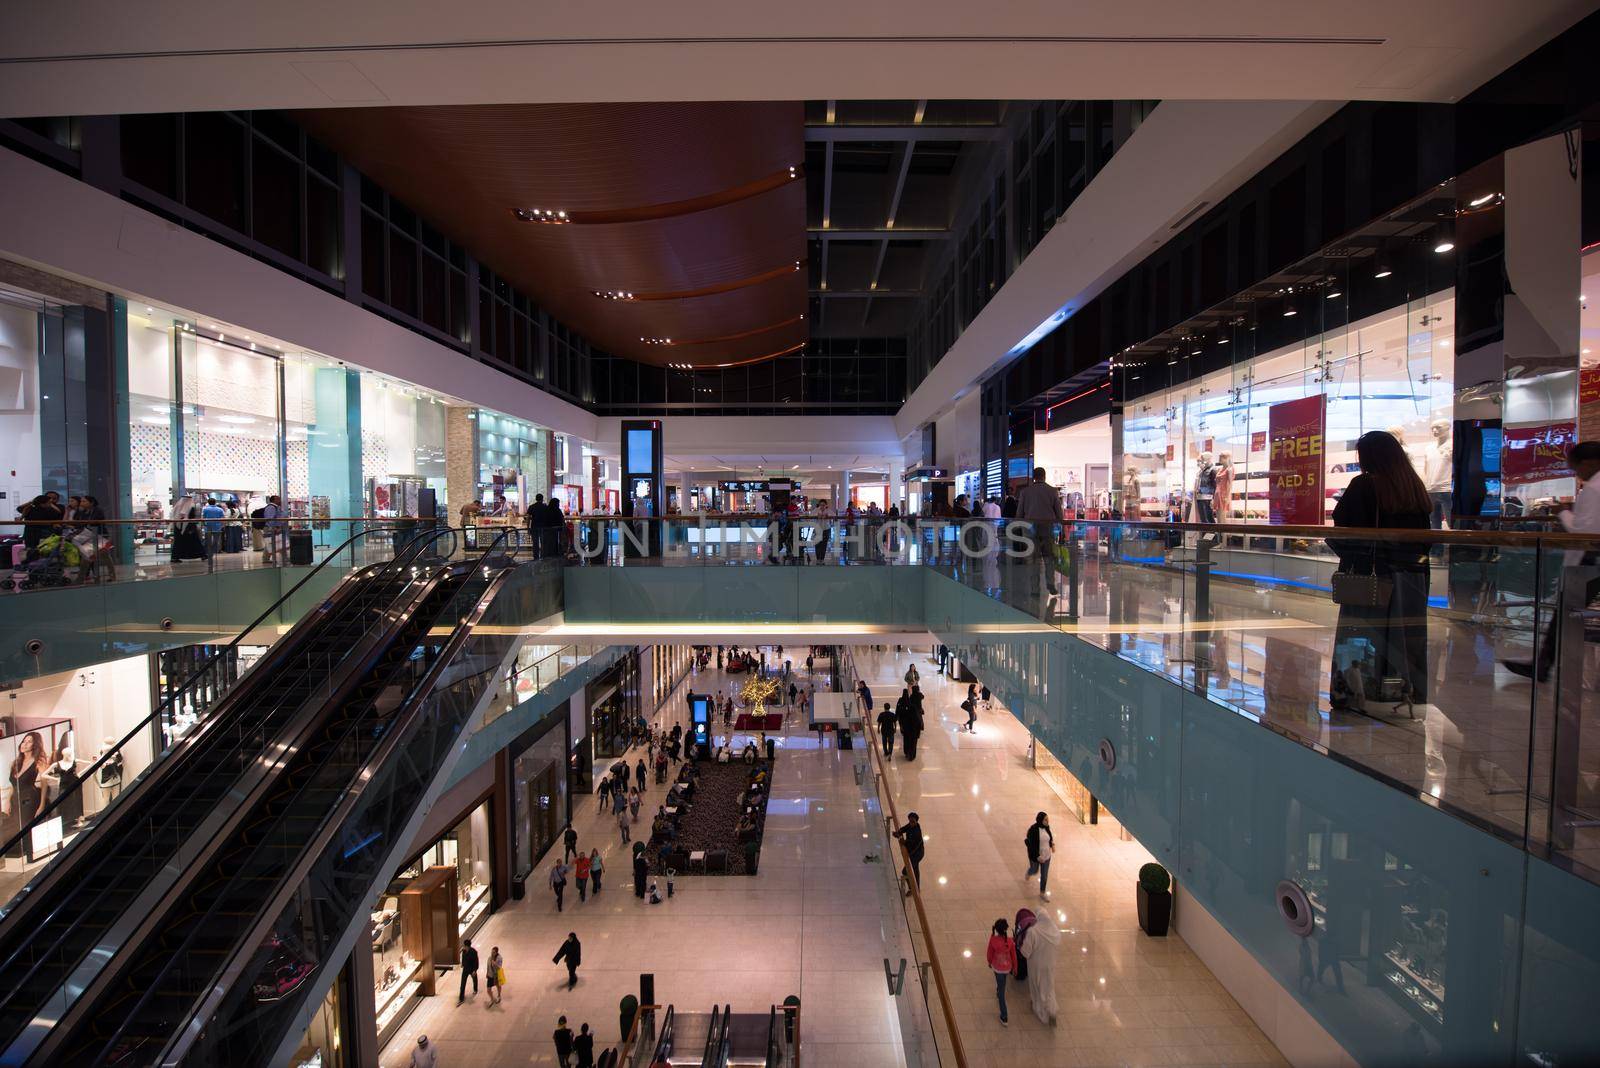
[(104, 947), (222, 974)]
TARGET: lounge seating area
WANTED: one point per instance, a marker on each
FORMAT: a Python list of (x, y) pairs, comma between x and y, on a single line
[(713, 819)]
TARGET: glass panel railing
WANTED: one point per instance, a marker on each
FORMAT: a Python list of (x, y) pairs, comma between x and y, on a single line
[(48, 822), (1439, 669), (923, 1005), (50, 555)]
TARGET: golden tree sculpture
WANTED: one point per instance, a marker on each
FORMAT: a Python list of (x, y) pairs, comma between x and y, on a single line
[(755, 692)]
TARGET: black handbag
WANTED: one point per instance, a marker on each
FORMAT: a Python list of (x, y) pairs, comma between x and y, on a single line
[(1356, 589)]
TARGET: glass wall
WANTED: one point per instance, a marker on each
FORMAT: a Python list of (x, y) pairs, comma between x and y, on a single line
[(1203, 450), (539, 797)]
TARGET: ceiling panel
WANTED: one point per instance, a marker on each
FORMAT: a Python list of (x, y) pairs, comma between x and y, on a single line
[(688, 206)]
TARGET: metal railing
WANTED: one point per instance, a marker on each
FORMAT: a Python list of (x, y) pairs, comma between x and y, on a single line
[(906, 887)]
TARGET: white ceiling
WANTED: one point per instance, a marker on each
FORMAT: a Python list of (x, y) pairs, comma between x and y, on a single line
[(99, 56)]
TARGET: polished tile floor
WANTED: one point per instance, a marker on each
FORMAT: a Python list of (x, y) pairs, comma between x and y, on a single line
[(818, 922)]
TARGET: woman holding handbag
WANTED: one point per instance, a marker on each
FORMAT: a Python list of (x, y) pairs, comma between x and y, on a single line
[(1380, 651), (497, 975)]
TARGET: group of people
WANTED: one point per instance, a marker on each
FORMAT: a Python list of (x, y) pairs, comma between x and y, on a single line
[(904, 717)]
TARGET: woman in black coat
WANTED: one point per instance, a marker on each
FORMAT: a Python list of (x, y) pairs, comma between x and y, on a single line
[(1387, 641)]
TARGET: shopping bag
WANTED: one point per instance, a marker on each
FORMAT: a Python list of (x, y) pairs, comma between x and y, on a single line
[(500, 976)]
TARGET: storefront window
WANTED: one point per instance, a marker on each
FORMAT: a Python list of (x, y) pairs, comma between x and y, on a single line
[(539, 792), (323, 1046), (402, 446), (51, 730), (1392, 371), (231, 440), (614, 708), (439, 898)]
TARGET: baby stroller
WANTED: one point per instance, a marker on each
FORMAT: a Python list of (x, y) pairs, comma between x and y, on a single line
[(46, 566)]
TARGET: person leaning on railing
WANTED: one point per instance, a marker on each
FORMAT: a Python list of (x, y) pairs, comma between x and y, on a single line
[(1039, 504), (1582, 518), (1387, 494)]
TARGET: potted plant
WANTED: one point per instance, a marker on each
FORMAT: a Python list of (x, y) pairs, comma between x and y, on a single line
[(1155, 900)]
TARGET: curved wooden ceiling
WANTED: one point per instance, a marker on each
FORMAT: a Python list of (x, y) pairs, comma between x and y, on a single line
[(689, 207)]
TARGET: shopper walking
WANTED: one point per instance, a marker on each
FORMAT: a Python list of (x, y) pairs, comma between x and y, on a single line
[(469, 970), (911, 722), (911, 835), (558, 881), (563, 1041), (583, 1046), (887, 722), (211, 515), (426, 1055), (969, 705), (581, 873), (1041, 843), (639, 773), (494, 977), (1039, 950), (596, 866), (622, 827), (641, 873), (571, 952), (633, 805), (1002, 957), (570, 837), (603, 792)]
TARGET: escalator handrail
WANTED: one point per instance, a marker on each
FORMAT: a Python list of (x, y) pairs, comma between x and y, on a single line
[(319, 839), (144, 724), (708, 1056), (412, 549)]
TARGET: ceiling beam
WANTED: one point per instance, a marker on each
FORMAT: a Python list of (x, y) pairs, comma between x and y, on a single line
[(900, 166), (884, 294), (827, 215), (900, 132), (878, 233)]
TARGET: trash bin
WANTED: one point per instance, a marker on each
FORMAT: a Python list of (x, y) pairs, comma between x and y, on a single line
[(519, 888), (772, 749), (300, 548)]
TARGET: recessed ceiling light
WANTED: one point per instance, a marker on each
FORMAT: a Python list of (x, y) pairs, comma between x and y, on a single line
[(1478, 202), (1382, 272), (1290, 313), (1444, 246)]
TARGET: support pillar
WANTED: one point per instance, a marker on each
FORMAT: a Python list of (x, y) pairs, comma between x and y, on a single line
[(460, 460)]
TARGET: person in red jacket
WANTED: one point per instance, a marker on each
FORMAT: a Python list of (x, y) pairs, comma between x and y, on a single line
[(1003, 960), (582, 872)]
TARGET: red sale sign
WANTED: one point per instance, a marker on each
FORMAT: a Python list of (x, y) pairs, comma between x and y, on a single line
[(1295, 461), (1535, 453)]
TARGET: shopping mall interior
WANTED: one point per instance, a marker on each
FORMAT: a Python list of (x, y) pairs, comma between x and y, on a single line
[(735, 536)]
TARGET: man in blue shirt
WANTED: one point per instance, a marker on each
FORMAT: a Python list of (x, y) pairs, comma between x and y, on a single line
[(212, 515)]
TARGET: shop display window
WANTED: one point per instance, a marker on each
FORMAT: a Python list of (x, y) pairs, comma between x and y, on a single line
[(433, 902), (1392, 371), (539, 794), (324, 1045)]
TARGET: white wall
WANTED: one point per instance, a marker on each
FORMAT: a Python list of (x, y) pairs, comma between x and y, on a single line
[(58, 224), (1185, 153), (1287, 1025), (20, 476), (958, 437), (304, 54)]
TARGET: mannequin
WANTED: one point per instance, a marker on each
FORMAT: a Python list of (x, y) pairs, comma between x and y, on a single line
[(1130, 493), (110, 774), (64, 765), (1205, 491), (1224, 497), (1437, 471)]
